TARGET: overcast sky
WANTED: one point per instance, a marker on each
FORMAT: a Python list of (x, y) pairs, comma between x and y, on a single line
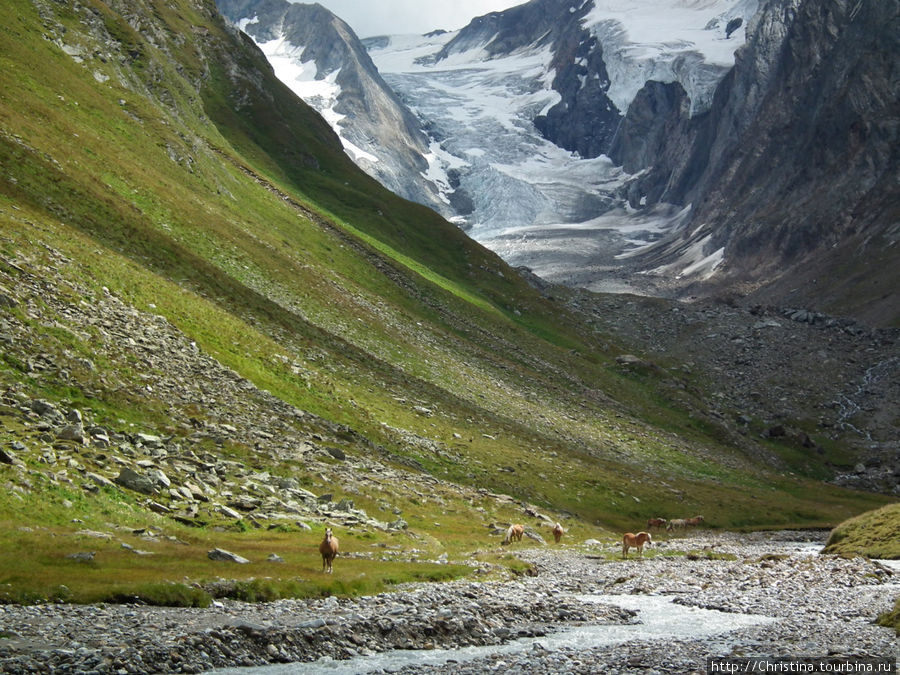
[(394, 17)]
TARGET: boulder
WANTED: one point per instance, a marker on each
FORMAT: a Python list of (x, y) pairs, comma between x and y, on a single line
[(71, 432), (132, 480), (222, 555)]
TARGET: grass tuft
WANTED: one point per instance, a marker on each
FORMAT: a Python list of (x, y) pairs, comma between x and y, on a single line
[(891, 619)]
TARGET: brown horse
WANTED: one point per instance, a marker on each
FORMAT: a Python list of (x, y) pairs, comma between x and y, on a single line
[(558, 532), (329, 550), (658, 523), (631, 540), (514, 533), (696, 520)]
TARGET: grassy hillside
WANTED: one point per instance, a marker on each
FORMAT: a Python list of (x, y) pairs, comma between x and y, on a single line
[(186, 253), (874, 534)]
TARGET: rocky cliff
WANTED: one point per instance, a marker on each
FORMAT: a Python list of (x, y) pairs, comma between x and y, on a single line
[(793, 172)]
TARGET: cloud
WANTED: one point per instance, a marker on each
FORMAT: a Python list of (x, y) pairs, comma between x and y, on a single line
[(394, 17)]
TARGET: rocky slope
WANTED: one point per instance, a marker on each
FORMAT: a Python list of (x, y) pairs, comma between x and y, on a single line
[(793, 376), (182, 470)]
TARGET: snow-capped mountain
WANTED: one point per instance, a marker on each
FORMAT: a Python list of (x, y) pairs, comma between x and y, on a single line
[(320, 58), (793, 173), (505, 123)]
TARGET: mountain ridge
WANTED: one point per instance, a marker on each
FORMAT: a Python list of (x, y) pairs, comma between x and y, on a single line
[(780, 208), (384, 137)]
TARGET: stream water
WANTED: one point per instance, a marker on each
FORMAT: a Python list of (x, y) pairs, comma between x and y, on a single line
[(659, 617)]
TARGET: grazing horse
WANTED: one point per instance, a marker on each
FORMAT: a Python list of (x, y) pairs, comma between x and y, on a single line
[(658, 523), (696, 520), (329, 550), (514, 533), (558, 532), (631, 540), (676, 524)]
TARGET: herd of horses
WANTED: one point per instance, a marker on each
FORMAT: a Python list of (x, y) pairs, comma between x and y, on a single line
[(515, 531), (329, 547)]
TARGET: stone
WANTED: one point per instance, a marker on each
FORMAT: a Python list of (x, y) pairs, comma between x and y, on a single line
[(148, 440), (102, 481), (159, 478), (72, 432), (7, 457), (344, 505), (82, 556), (337, 453), (132, 480), (222, 555), (230, 512), (45, 408)]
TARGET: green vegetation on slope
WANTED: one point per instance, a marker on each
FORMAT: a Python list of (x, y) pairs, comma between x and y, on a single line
[(148, 153), (873, 534)]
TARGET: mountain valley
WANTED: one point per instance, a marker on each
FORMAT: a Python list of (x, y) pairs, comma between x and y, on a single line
[(220, 334)]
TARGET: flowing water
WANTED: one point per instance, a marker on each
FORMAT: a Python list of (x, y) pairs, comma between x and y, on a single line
[(660, 617)]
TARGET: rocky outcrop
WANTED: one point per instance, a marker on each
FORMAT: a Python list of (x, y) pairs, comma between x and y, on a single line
[(795, 377), (585, 119)]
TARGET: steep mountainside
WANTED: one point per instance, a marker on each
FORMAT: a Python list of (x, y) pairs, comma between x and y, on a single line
[(793, 173), (320, 58), (217, 330)]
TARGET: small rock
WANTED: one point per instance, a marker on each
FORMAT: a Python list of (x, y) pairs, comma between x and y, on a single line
[(82, 556)]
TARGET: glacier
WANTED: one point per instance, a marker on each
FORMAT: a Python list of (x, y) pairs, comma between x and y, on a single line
[(536, 205)]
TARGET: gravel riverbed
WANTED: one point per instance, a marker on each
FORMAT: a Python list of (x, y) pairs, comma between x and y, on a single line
[(817, 606)]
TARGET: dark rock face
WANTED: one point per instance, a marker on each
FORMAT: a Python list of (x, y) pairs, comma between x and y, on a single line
[(585, 119), (642, 138), (794, 169)]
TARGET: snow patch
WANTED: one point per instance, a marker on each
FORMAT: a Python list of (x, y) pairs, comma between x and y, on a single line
[(439, 162), (693, 262), (668, 41), (301, 77)]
